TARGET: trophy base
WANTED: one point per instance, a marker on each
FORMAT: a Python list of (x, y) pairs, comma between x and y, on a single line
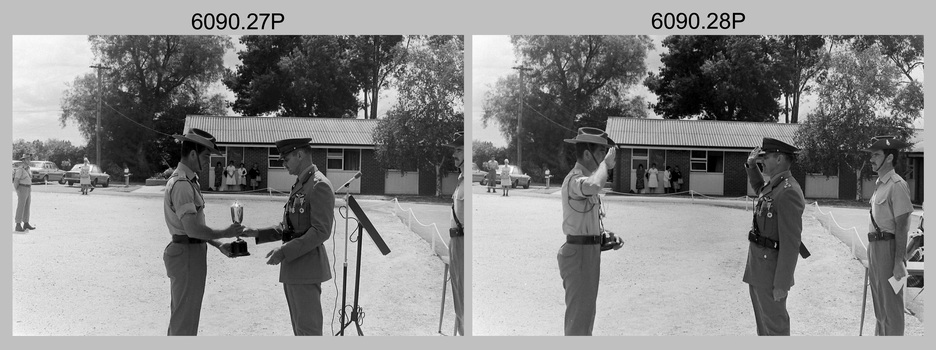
[(239, 248)]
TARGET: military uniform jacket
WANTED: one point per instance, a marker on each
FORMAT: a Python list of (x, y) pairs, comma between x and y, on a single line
[(779, 216), (310, 209)]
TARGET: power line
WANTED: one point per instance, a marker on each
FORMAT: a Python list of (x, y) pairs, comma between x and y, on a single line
[(135, 122), (550, 120)]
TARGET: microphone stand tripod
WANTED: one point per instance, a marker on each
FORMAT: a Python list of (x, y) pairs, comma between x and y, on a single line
[(357, 313), (344, 278)]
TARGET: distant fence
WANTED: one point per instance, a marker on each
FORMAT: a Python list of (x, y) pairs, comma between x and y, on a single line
[(850, 236), (429, 232)]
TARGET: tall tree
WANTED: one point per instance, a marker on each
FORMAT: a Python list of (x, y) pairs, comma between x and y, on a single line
[(375, 58), (151, 84), (799, 59), (856, 102), (575, 81), (53, 150), (716, 77), (428, 111), (307, 76)]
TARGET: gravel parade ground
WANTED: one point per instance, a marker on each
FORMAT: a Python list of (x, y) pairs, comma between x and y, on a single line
[(94, 266), (679, 272)]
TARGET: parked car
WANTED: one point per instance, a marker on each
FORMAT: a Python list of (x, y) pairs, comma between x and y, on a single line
[(517, 177), (98, 177), (477, 175), (45, 171)]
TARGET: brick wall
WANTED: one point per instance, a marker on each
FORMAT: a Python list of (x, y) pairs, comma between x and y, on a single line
[(373, 177), (736, 181), (622, 171), (319, 157), (259, 156), (680, 158)]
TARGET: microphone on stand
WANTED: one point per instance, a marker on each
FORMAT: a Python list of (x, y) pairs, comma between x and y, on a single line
[(356, 176)]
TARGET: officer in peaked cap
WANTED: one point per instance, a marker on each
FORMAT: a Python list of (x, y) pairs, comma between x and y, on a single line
[(306, 224), (457, 233), (580, 257), (887, 237), (775, 236), (184, 211)]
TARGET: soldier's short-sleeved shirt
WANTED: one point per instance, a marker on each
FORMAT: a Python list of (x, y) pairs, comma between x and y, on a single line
[(459, 201), (182, 197), (579, 211), (890, 200)]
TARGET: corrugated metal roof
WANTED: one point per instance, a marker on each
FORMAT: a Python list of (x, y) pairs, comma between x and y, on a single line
[(695, 133), (267, 130)]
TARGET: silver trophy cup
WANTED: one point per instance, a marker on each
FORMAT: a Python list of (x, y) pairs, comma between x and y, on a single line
[(238, 247)]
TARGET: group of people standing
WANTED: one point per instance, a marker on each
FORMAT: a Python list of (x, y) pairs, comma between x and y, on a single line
[(233, 178), (775, 238), (503, 178), (650, 179)]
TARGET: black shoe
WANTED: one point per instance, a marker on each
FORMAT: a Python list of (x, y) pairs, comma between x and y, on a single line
[(19, 228), (27, 226), (92, 188)]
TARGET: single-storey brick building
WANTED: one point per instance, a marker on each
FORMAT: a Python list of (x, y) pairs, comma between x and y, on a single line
[(340, 148), (711, 156)]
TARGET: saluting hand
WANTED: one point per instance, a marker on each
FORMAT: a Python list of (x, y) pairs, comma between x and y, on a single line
[(752, 158), (610, 159), (276, 256)]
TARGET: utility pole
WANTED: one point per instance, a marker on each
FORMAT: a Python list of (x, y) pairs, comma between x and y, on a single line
[(522, 69), (97, 128)]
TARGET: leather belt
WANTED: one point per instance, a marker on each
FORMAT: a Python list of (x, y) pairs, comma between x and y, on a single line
[(763, 241), (583, 239), (25, 185), (880, 236), (185, 239)]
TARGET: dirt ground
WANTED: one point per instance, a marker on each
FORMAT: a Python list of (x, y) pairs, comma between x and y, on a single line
[(679, 272), (94, 267)]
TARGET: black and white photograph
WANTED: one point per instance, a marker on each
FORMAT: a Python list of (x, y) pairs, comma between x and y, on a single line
[(246, 185), (697, 185)]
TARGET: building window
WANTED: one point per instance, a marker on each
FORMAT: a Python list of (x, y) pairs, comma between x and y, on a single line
[(707, 161), (344, 159), (352, 159), (639, 157), (335, 159), (273, 159)]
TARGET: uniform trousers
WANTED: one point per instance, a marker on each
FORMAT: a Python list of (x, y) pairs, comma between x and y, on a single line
[(305, 307), (580, 268), (771, 316), (888, 306), (23, 201), (187, 268), (457, 264)]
